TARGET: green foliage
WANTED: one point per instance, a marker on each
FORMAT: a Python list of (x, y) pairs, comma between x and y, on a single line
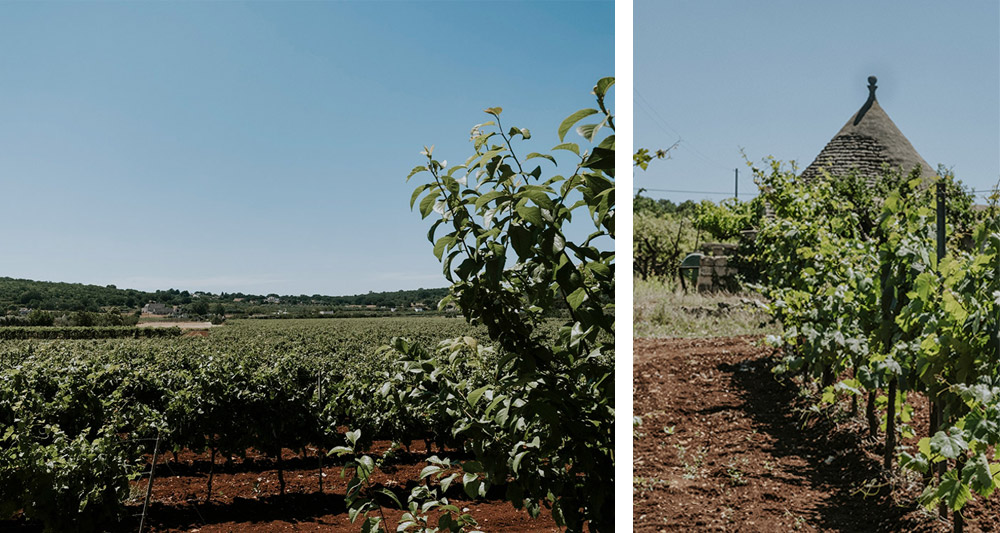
[(642, 157), (724, 221), (660, 243), (663, 234), (660, 207), (76, 416), (84, 332), (851, 270), (543, 428), (40, 318), (66, 297)]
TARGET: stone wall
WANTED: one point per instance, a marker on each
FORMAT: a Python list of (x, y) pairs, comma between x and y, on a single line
[(715, 273)]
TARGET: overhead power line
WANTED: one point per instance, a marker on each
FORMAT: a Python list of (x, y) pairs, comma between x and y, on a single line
[(730, 194), (650, 111)]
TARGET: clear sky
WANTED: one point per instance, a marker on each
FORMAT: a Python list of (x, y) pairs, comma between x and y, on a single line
[(262, 147), (781, 78)]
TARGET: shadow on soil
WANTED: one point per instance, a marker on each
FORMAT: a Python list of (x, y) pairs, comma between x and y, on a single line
[(289, 507), (770, 404)]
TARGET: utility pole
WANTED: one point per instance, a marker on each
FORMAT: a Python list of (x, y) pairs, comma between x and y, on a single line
[(737, 193)]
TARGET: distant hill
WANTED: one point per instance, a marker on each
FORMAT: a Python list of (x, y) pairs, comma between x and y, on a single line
[(57, 296)]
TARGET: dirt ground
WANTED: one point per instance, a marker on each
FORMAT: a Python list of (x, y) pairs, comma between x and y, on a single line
[(246, 496), (724, 446)]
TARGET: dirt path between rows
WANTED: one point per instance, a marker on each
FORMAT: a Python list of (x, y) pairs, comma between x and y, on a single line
[(722, 447), (246, 498)]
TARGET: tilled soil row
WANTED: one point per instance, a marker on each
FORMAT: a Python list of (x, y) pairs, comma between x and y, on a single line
[(246, 496), (724, 446)]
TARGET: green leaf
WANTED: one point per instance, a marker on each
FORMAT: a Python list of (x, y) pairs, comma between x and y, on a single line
[(924, 285), (950, 446), (601, 159), (533, 155), (495, 111), (473, 486), (572, 147), (608, 143), (365, 467), (469, 484), (917, 462), (416, 170), (531, 214), (978, 475), (576, 298), (539, 195), (568, 123), (442, 244), (476, 394), (427, 204), (953, 491), (924, 446), (516, 464), (603, 85), (488, 197), (391, 496), (446, 482), (599, 269), (371, 525), (429, 470), (496, 401)]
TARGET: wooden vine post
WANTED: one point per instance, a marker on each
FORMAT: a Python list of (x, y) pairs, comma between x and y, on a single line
[(149, 486)]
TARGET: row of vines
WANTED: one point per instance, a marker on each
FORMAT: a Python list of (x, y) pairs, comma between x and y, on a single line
[(876, 308), (85, 332), (81, 417)]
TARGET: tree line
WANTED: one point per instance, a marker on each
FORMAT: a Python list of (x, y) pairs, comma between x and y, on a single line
[(17, 294)]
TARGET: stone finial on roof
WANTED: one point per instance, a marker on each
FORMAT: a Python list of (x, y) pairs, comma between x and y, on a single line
[(871, 100)]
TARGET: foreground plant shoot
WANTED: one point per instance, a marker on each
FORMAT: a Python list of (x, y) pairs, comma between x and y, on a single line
[(543, 430)]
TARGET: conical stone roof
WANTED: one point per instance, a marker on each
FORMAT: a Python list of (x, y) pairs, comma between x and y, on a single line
[(868, 140)]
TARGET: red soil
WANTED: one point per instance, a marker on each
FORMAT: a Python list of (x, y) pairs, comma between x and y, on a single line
[(246, 496), (724, 446)]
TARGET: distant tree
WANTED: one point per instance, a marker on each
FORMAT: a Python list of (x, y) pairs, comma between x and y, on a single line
[(83, 318), (199, 307), (38, 317)]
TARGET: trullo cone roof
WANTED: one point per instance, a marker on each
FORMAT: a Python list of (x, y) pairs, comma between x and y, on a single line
[(867, 140)]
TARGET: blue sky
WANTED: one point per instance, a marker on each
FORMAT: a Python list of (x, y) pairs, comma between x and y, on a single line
[(781, 78), (262, 147)]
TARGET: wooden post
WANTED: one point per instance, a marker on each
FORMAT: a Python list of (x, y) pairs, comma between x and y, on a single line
[(937, 410), (149, 486), (319, 406)]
